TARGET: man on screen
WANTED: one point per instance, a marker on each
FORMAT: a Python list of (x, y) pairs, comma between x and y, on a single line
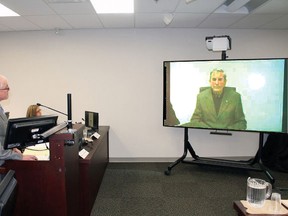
[(218, 106)]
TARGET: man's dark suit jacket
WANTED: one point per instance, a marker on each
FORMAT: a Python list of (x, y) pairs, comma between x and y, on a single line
[(230, 115)]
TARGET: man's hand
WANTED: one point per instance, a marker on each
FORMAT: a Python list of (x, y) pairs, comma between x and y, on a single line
[(29, 157)]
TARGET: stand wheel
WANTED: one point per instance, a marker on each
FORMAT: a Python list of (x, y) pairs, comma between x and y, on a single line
[(167, 172)]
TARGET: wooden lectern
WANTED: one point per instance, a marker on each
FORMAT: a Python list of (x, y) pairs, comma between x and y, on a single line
[(66, 185), (92, 170), (50, 187)]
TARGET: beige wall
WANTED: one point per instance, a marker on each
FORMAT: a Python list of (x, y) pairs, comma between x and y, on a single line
[(118, 73)]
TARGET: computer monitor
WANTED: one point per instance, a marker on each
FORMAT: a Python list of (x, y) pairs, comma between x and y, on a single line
[(92, 120), (23, 132)]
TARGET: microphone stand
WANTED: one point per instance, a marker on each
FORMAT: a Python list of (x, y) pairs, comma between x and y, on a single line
[(38, 104), (69, 109)]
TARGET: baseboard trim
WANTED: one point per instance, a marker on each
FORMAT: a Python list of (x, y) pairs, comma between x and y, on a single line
[(163, 160), (141, 160)]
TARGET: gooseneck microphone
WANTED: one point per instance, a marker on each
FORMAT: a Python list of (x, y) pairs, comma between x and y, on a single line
[(69, 110), (38, 104)]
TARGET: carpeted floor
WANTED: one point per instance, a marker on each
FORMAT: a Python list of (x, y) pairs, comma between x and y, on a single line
[(142, 189)]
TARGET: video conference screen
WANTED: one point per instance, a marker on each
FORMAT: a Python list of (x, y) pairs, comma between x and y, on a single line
[(240, 95)]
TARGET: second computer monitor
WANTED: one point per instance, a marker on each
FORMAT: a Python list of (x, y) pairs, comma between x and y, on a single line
[(92, 120)]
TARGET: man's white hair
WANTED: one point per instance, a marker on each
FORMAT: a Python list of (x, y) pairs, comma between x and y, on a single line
[(3, 80)]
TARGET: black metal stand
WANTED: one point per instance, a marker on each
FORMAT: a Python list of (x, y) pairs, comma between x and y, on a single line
[(253, 164)]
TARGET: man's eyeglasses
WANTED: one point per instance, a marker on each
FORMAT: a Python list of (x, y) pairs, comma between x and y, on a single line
[(5, 89), (219, 79)]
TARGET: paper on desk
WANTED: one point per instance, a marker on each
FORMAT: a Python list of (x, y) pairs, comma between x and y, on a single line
[(95, 135), (83, 153), (266, 209), (41, 151)]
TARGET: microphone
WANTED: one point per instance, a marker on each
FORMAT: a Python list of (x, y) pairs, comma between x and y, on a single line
[(38, 104)]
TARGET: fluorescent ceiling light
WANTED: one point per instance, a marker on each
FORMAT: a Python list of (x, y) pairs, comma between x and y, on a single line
[(5, 12), (113, 6)]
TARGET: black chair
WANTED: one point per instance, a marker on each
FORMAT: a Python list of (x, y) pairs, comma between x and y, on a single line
[(8, 186)]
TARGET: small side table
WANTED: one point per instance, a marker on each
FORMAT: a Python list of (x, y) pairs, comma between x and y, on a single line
[(241, 210)]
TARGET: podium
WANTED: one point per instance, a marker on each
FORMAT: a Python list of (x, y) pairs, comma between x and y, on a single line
[(92, 170), (55, 187)]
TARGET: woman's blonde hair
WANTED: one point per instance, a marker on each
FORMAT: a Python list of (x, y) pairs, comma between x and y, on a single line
[(32, 110)]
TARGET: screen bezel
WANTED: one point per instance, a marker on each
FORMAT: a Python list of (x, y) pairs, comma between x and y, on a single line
[(17, 126), (166, 94), (92, 120)]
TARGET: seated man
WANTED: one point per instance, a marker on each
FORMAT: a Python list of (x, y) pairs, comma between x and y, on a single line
[(8, 154), (218, 106)]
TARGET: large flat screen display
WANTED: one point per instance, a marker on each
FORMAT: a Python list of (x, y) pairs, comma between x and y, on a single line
[(239, 95)]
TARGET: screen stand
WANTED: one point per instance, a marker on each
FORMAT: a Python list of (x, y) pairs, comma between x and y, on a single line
[(253, 164)]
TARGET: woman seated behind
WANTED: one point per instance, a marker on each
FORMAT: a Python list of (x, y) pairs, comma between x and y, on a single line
[(33, 110)]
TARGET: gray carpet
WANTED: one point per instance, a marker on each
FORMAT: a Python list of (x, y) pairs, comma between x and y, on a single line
[(142, 189)]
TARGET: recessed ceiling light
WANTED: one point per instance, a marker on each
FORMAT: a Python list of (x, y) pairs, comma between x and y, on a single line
[(113, 6), (189, 1), (167, 18), (5, 12)]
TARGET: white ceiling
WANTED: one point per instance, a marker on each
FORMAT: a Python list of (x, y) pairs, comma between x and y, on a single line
[(79, 14)]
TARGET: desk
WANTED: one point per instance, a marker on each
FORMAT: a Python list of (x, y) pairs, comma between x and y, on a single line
[(241, 210), (65, 185), (50, 187), (92, 169)]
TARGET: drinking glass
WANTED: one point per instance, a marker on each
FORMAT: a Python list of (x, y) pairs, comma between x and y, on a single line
[(276, 202)]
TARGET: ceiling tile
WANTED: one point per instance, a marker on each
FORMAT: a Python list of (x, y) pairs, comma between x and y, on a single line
[(273, 6), (187, 20), (83, 21), (71, 14), (48, 22), (255, 21), (73, 8), (18, 24), (28, 7), (203, 6), (220, 20), (280, 23), (117, 21), (152, 6), (149, 20)]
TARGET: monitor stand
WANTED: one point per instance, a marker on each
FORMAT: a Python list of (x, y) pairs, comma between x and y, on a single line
[(253, 164), (88, 132)]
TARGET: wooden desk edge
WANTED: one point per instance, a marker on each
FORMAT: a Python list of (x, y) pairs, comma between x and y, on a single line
[(238, 206), (241, 210)]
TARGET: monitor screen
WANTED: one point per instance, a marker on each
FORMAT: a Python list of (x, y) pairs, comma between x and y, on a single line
[(92, 120), (240, 95), (23, 132)]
